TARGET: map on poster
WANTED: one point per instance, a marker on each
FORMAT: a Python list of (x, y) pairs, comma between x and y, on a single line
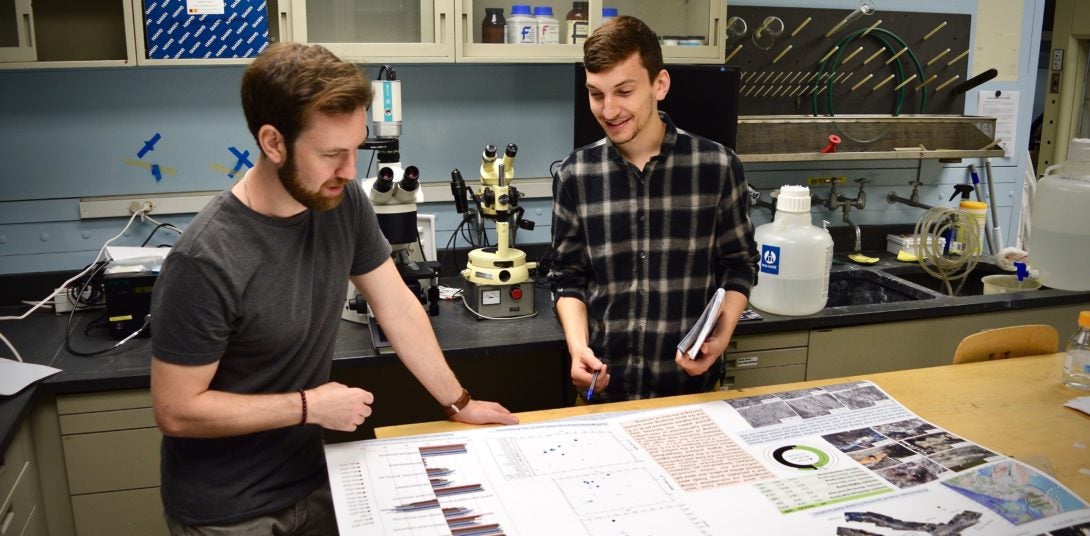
[(845, 460)]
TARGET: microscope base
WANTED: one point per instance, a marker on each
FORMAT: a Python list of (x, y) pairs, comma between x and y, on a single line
[(500, 301)]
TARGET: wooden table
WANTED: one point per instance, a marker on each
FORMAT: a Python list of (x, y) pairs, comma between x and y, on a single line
[(1012, 406)]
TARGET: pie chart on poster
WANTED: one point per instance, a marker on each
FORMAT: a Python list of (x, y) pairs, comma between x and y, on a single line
[(801, 457)]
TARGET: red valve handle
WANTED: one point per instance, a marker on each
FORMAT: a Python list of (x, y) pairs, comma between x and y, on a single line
[(834, 140)]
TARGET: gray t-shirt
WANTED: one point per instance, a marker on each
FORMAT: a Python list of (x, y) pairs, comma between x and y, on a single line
[(262, 296)]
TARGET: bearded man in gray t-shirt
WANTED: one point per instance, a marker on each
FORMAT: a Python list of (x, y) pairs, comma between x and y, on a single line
[(247, 307)]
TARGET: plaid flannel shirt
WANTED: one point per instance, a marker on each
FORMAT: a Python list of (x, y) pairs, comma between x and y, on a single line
[(646, 250)]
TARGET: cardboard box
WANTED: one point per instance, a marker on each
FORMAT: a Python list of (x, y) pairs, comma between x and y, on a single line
[(201, 29)]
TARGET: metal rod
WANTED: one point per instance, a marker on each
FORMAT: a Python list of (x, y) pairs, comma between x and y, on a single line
[(904, 83), (948, 82), (735, 51), (937, 57), (883, 82), (932, 32), (861, 82), (786, 49), (895, 56), (850, 56), (871, 27), (872, 56), (928, 81), (958, 57), (777, 79), (801, 26), (829, 53), (847, 77)]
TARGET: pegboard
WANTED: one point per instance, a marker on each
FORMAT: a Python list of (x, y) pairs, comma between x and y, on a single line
[(785, 74)]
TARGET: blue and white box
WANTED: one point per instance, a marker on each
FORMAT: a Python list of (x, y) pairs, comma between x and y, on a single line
[(203, 29)]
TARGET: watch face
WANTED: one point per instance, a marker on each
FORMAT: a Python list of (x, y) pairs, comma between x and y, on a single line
[(490, 297)]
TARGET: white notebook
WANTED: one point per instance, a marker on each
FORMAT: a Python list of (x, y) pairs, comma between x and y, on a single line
[(690, 344)]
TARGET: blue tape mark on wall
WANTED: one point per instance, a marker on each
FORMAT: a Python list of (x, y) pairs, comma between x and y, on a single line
[(156, 172), (243, 160), (149, 145), (241, 32)]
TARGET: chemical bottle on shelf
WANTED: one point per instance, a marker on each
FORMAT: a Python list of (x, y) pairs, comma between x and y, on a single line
[(521, 26), (578, 23), (1059, 242), (548, 27), (493, 27), (795, 258), (608, 14), (1077, 356)]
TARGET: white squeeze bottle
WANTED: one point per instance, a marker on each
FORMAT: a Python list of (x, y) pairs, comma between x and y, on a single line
[(1059, 241), (796, 255)]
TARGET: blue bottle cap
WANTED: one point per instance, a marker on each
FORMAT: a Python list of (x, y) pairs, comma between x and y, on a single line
[(545, 11), (520, 9), (609, 12)]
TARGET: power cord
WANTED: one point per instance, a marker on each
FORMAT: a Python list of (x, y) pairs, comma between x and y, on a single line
[(68, 282)]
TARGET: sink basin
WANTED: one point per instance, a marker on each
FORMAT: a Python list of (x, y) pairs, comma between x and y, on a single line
[(971, 287), (865, 287)]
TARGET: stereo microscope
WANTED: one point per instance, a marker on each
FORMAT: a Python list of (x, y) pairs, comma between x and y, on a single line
[(498, 280)]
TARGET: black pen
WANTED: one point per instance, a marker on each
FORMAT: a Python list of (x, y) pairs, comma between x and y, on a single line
[(593, 380)]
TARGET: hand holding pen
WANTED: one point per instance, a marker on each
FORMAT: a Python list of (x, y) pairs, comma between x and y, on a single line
[(594, 381)]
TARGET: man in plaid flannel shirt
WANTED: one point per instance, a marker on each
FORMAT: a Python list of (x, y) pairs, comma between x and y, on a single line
[(647, 224)]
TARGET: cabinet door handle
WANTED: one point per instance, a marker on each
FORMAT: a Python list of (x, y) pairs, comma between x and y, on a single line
[(9, 516)]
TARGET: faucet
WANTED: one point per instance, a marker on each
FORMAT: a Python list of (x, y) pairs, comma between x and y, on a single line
[(755, 200), (846, 204), (912, 201)]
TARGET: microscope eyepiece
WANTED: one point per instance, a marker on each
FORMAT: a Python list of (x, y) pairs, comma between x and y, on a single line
[(410, 180), (511, 150), (490, 151), (385, 180)]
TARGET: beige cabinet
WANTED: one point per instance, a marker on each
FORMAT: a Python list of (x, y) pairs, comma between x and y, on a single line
[(851, 350), (21, 511), (769, 359), (693, 31), (110, 446), (66, 33), (377, 31)]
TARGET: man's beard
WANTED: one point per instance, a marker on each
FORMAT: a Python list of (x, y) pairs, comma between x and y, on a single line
[(289, 177)]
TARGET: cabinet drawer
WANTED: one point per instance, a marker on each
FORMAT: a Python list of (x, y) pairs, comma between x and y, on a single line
[(758, 377), (111, 461), (742, 360), (105, 401), (137, 511), (107, 421), (768, 341), (19, 502), (16, 460)]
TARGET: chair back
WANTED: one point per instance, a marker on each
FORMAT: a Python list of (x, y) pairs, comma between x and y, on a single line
[(1003, 343)]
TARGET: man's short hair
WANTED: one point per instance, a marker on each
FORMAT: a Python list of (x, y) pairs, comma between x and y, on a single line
[(618, 39), (289, 81)]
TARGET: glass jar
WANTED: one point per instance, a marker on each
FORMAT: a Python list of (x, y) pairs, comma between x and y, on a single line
[(493, 27)]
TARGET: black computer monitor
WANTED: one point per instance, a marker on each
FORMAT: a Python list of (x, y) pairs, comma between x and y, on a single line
[(703, 99)]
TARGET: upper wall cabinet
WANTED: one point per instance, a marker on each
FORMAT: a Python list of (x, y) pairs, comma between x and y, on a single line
[(691, 31), (66, 33), (378, 31)]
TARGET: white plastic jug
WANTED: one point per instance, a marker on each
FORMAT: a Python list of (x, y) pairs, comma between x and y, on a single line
[(796, 255), (1059, 243)]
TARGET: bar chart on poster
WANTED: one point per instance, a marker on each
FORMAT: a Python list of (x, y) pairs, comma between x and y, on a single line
[(838, 459)]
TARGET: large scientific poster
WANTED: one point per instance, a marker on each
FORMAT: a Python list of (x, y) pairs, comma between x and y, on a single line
[(845, 459)]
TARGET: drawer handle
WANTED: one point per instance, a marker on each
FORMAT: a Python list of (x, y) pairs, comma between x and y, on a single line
[(9, 516)]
